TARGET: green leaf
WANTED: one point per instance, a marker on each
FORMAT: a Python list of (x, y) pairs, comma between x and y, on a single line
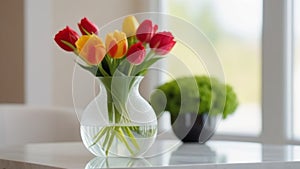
[(142, 68), (69, 45), (93, 69)]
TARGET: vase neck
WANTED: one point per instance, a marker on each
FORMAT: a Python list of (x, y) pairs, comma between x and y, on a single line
[(122, 83), (117, 90)]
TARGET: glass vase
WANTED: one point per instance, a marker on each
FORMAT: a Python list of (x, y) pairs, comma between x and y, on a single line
[(118, 121)]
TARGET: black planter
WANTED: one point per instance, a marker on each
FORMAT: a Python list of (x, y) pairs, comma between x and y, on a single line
[(191, 127)]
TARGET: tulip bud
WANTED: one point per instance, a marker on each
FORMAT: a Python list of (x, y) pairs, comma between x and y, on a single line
[(130, 24), (66, 39), (87, 27), (91, 49), (116, 44), (145, 31), (136, 53), (162, 43)]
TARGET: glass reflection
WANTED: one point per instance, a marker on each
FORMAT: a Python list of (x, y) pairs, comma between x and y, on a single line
[(213, 152), (115, 162), (193, 153)]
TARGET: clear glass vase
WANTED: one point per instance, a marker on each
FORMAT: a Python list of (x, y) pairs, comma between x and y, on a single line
[(118, 121)]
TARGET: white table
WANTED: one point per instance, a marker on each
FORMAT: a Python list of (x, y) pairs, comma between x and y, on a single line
[(163, 154)]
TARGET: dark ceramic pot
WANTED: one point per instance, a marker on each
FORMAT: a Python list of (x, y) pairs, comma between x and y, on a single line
[(191, 127)]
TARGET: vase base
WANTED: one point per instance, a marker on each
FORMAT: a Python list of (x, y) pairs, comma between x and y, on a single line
[(118, 140)]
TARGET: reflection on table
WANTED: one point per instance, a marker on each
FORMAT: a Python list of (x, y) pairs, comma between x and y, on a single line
[(213, 152), (163, 153), (191, 153)]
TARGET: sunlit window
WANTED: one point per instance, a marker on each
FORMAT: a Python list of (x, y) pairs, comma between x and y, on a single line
[(234, 28)]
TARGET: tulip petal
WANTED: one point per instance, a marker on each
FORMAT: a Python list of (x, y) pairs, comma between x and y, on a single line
[(65, 38), (116, 43), (163, 50), (87, 27), (162, 43), (145, 31), (91, 49), (136, 53), (130, 24), (113, 48)]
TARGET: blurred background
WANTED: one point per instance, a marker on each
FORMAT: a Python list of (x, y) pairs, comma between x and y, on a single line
[(34, 71)]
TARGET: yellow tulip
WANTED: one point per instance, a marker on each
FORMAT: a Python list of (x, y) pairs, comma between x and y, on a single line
[(130, 25), (91, 49), (116, 44)]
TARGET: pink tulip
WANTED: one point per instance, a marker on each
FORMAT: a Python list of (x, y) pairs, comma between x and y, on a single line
[(145, 31)]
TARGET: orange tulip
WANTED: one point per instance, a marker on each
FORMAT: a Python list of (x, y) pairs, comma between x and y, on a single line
[(116, 44), (91, 49)]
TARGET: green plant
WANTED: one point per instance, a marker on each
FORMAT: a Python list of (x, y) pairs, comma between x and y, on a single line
[(199, 94)]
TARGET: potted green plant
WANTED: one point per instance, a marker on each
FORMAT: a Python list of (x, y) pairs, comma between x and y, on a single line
[(195, 103)]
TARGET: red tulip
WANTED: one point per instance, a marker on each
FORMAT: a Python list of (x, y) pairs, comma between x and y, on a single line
[(87, 27), (162, 43), (66, 39), (136, 53), (145, 31)]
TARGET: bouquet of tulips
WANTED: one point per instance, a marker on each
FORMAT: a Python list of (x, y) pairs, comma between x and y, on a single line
[(126, 53)]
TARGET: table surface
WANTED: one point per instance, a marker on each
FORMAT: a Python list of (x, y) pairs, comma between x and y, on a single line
[(163, 154)]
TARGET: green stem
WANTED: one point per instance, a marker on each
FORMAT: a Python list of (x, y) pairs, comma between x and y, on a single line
[(111, 139), (130, 69), (102, 70), (107, 137), (149, 55), (107, 163), (132, 138), (98, 136), (111, 132), (122, 138), (110, 63)]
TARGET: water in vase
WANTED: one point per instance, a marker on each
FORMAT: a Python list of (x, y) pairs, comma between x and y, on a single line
[(118, 140)]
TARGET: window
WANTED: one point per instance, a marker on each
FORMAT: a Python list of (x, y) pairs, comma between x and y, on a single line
[(234, 27), (262, 36)]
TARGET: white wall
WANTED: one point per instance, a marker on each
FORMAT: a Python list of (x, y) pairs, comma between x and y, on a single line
[(38, 52), (49, 69)]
